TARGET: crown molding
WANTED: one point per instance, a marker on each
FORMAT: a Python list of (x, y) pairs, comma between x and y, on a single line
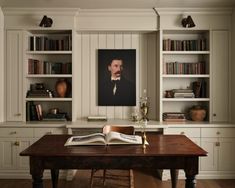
[(40, 11), (208, 11), (116, 12)]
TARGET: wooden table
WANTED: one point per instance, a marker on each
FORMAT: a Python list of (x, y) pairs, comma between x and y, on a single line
[(164, 152)]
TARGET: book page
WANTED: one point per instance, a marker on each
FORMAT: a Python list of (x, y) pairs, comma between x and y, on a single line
[(119, 138), (91, 139)]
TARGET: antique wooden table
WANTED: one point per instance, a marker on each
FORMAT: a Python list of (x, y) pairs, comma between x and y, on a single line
[(163, 152)]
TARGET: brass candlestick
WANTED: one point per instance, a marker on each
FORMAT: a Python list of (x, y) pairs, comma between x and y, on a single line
[(144, 137)]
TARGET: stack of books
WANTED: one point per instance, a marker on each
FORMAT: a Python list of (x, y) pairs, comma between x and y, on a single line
[(183, 93), (174, 116), (39, 93), (33, 111), (55, 117)]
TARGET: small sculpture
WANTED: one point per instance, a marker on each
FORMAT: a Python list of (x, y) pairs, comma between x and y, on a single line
[(62, 88)]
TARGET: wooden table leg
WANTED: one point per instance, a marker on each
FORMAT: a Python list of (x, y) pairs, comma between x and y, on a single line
[(190, 181), (36, 170), (174, 178), (54, 177)]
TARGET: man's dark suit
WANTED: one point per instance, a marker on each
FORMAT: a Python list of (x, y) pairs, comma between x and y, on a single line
[(125, 93)]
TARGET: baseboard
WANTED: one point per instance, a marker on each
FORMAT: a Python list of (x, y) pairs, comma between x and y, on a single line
[(24, 174), (202, 175)]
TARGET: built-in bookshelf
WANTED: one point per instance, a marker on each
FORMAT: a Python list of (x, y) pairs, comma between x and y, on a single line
[(184, 72), (48, 75)]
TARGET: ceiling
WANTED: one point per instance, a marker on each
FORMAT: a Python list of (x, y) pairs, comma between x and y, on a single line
[(103, 4)]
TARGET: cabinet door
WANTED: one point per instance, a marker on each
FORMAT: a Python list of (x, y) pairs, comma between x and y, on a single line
[(220, 76), (23, 162), (210, 162), (227, 154), (7, 153), (14, 58)]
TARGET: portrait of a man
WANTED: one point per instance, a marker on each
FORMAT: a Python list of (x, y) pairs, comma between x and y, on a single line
[(116, 77)]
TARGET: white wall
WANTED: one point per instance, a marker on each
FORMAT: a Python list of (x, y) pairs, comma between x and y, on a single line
[(1, 66), (85, 77), (233, 68)]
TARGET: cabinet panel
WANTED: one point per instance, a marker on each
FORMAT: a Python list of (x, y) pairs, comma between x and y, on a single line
[(218, 132), (226, 154), (16, 132), (210, 163), (23, 162), (189, 132), (7, 154), (14, 48), (220, 76)]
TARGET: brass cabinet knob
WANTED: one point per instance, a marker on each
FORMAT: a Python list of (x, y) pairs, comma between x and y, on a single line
[(17, 143), (218, 133), (13, 132), (217, 144), (182, 132), (18, 114), (214, 115)]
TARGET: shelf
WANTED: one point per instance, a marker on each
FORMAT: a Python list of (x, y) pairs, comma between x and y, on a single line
[(48, 52), (185, 75), (185, 52), (185, 99), (49, 99), (48, 76)]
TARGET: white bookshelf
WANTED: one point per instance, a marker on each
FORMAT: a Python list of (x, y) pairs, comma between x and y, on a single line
[(182, 78), (52, 54)]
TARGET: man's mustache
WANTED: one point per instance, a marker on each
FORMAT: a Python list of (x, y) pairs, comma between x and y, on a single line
[(118, 72)]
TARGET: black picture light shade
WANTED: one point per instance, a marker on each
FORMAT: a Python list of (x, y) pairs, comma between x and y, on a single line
[(188, 22), (46, 22)]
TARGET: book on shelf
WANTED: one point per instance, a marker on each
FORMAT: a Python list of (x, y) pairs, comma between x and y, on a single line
[(111, 138), (33, 112), (183, 93), (46, 43), (199, 89), (44, 67), (174, 116), (184, 68), (184, 45)]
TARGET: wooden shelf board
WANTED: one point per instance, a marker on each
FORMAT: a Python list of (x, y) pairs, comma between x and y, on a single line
[(49, 99), (48, 76), (185, 75), (49, 52), (185, 52), (184, 99)]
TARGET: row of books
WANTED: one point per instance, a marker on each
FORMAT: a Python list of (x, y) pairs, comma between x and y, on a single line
[(174, 117), (34, 112), (43, 43), (184, 68), (44, 67), (184, 45)]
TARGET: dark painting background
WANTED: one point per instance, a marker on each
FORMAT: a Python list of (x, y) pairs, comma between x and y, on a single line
[(105, 56)]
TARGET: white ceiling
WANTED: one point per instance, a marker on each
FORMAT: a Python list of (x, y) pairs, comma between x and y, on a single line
[(87, 4)]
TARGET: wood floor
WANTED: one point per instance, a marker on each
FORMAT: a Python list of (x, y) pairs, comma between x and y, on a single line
[(141, 181)]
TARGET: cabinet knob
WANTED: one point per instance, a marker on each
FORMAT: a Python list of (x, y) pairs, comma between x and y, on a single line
[(182, 132), (17, 143), (18, 114), (214, 115), (218, 133), (217, 144), (13, 132)]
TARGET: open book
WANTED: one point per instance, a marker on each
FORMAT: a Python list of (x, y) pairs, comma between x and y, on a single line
[(111, 138)]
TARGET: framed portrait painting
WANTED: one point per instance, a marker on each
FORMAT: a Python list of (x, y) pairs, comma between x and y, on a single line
[(116, 77)]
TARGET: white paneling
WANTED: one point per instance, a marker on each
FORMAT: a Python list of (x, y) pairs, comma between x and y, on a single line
[(233, 69), (1, 67), (87, 62)]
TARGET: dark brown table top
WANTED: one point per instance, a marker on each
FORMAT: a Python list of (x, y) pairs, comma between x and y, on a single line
[(159, 145)]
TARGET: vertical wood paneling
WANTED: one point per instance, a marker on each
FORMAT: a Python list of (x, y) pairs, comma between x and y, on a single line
[(118, 44), (152, 71), (77, 77), (85, 75), (93, 74), (87, 59), (127, 44), (110, 45), (102, 45)]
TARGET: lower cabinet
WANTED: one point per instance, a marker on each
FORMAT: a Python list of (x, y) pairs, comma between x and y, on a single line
[(15, 140), (220, 145)]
